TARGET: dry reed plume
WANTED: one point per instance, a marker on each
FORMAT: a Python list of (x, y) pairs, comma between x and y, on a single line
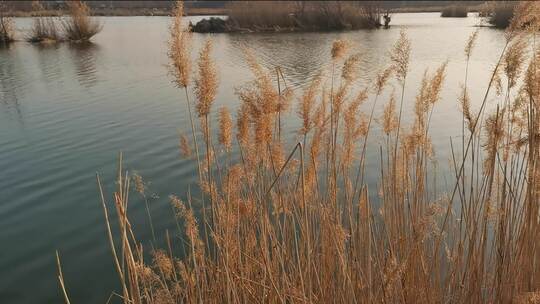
[(225, 128), (302, 225), (184, 145)]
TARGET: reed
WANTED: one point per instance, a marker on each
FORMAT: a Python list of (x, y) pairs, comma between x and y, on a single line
[(500, 13), (44, 28), (79, 26), (455, 11), (302, 226)]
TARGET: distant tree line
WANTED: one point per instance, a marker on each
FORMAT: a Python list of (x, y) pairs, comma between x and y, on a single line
[(26, 5)]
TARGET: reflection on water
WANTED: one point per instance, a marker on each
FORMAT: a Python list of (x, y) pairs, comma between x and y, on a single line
[(84, 59), (299, 55), (49, 61), (10, 82), (83, 103)]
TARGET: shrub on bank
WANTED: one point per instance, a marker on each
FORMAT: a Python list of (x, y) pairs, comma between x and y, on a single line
[(260, 16), (455, 11), (80, 26)]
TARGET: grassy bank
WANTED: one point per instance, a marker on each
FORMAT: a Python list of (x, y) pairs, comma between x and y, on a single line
[(299, 223)]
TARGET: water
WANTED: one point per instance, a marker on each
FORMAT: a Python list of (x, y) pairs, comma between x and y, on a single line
[(66, 111)]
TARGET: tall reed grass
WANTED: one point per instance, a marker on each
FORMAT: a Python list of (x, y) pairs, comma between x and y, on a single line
[(7, 32), (79, 26), (300, 224), (455, 11)]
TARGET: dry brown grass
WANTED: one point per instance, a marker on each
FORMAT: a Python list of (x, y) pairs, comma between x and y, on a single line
[(301, 226), (7, 31), (79, 26), (310, 16), (455, 11), (44, 29), (500, 13)]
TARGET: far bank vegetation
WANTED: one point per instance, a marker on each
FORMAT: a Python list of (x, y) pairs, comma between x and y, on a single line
[(270, 16), (455, 11)]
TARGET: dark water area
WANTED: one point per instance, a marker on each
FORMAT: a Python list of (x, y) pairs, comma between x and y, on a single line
[(67, 110)]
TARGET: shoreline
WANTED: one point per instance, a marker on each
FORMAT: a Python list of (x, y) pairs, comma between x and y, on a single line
[(189, 11), (121, 12)]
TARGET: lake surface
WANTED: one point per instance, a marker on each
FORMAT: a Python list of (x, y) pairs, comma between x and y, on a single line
[(66, 111)]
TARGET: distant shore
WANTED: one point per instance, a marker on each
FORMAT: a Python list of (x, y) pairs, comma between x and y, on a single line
[(192, 11), (124, 12)]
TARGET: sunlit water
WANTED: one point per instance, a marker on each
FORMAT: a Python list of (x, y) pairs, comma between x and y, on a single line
[(66, 111)]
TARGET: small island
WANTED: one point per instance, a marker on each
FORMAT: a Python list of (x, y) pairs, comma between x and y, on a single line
[(296, 16)]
